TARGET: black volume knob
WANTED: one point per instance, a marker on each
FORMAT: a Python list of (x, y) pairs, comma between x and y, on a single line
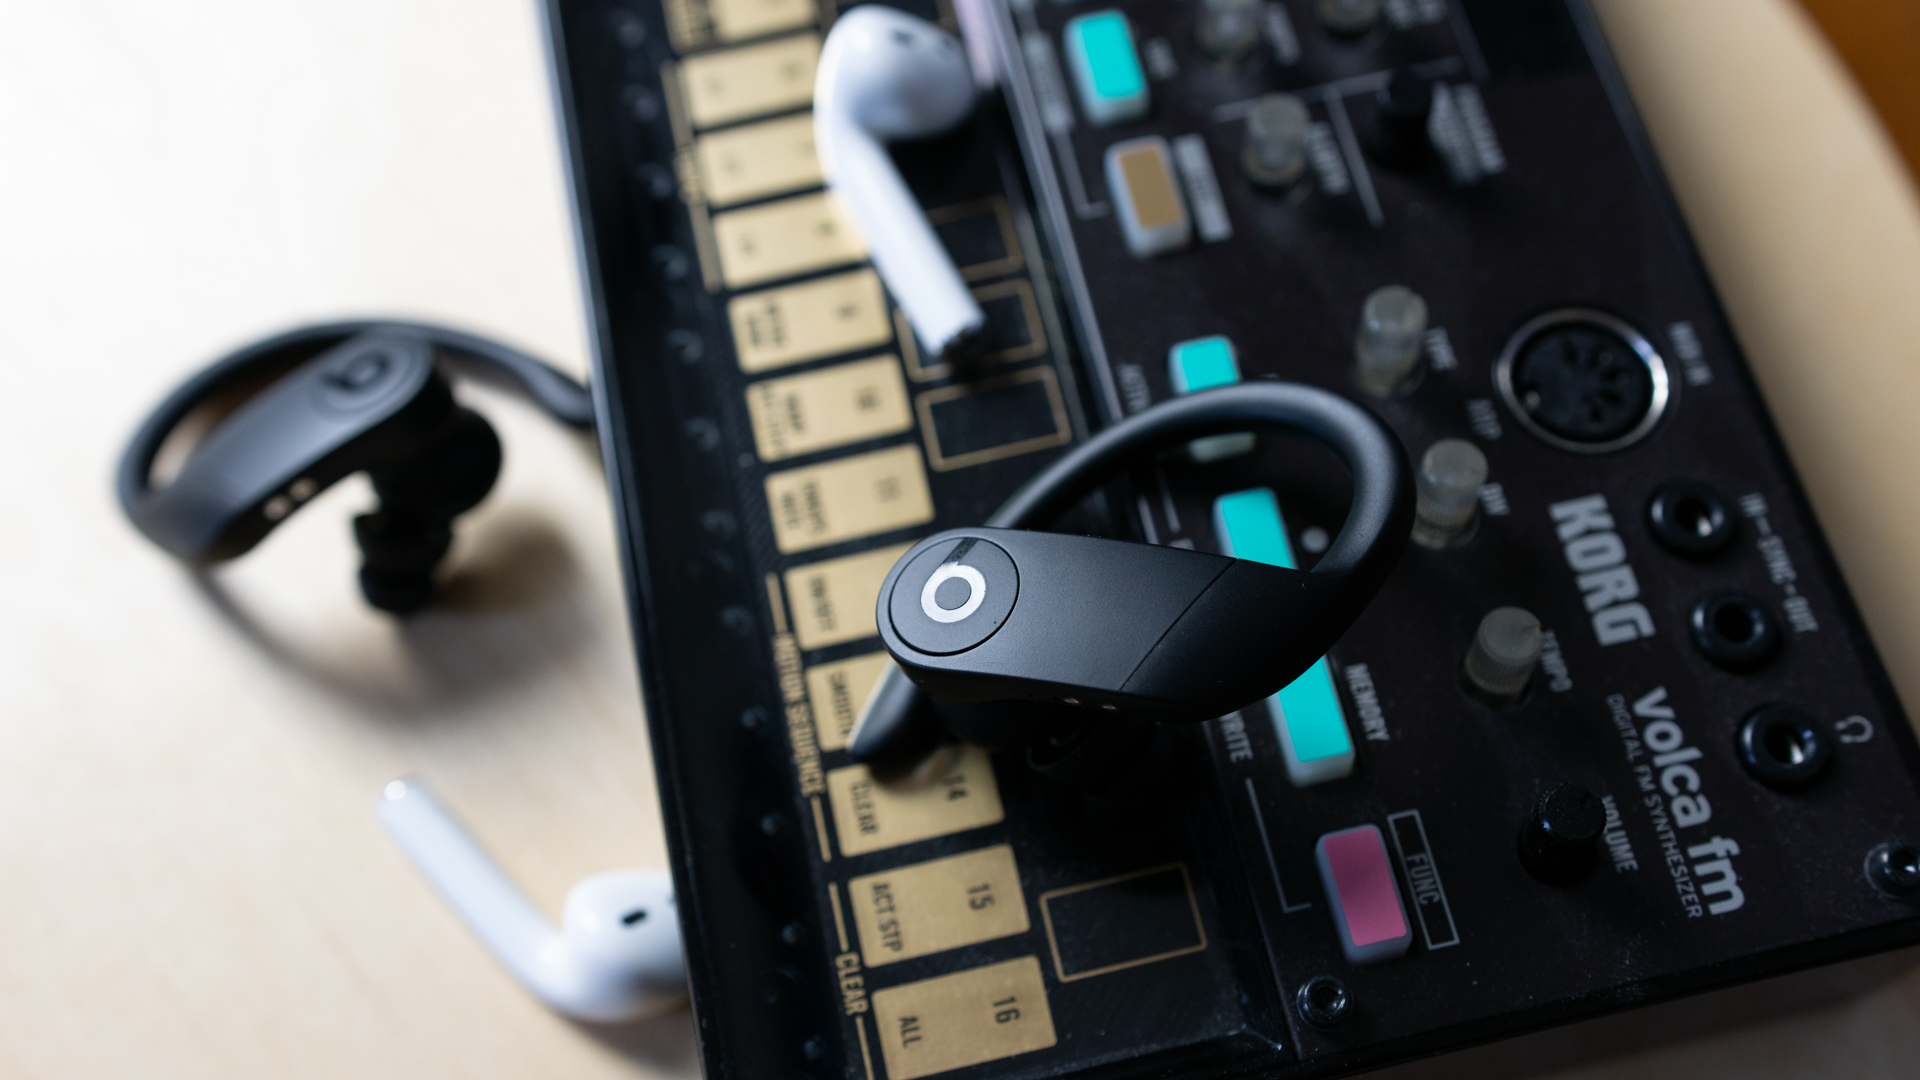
[(1558, 843)]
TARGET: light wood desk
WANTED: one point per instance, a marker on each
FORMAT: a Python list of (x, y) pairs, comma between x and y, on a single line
[(192, 882)]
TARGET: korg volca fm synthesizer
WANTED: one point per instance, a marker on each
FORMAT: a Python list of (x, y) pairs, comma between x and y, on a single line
[(1612, 732)]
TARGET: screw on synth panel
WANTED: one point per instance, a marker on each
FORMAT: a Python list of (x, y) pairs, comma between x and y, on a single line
[(655, 179), (1386, 350), (627, 28), (1500, 663), (814, 1049), (1558, 842), (685, 345), (1273, 151), (672, 262), (774, 989), (1894, 868), (1446, 487), (1323, 1001), (1229, 30)]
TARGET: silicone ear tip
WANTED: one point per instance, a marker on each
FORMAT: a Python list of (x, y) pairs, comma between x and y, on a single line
[(397, 594), (398, 560)]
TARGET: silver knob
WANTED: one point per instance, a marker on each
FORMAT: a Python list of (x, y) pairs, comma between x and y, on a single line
[(1387, 349), (1446, 491), (1348, 18), (1273, 152), (1229, 29), (1505, 651)]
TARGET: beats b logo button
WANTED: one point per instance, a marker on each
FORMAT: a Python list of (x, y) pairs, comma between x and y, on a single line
[(954, 596)]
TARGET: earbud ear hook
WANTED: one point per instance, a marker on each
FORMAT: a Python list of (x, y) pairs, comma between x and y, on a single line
[(1185, 636), (885, 75), (360, 396), (617, 955)]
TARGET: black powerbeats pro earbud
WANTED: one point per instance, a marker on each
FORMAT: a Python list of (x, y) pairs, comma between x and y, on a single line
[(1060, 645), (344, 398)]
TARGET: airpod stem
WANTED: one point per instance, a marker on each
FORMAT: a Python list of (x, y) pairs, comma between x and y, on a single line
[(916, 268), (618, 957), (882, 68), (472, 883)]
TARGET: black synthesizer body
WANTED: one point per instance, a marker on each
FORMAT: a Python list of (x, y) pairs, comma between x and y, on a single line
[(1139, 216)]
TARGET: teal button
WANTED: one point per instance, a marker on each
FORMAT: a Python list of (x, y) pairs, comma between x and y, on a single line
[(1315, 723), (1108, 44), (1307, 711), (1251, 528), (1202, 364), (1106, 69)]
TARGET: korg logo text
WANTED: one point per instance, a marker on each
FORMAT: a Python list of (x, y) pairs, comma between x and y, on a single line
[(1599, 560)]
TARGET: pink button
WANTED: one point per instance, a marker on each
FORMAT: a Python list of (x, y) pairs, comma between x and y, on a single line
[(1360, 889)]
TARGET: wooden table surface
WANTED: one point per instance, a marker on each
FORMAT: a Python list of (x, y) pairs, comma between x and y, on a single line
[(192, 881)]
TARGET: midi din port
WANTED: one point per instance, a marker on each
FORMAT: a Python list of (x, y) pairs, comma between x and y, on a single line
[(1583, 381)]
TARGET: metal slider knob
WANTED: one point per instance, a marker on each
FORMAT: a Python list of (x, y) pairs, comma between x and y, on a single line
[(1447, 492), (1386, 351), (1229, 29), (1505, 650), (1403, 112), (1273, 153)]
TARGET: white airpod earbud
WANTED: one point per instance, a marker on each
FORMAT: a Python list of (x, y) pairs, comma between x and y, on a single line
[(617, 955), (887, 75)]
